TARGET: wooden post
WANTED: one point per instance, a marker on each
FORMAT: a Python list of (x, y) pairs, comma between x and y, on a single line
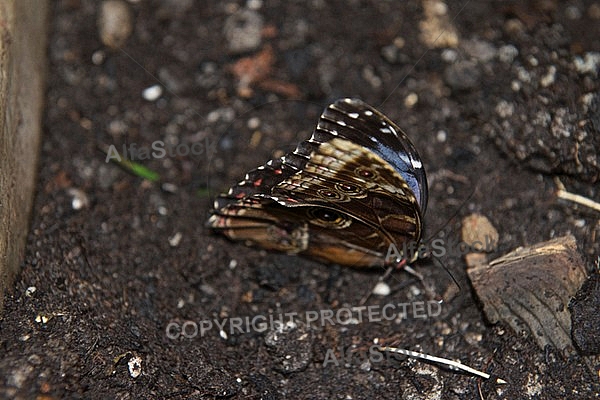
[(23, 35)]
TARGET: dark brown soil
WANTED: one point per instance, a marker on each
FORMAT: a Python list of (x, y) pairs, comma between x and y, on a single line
[(100, 285)]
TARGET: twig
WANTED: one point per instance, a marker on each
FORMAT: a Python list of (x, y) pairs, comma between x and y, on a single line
[(584, 201), (440, 360)]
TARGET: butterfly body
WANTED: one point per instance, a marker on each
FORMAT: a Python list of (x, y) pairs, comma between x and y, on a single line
[(345, 195)]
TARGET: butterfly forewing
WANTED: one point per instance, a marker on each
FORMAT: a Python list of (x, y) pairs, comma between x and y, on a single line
[(360, 123)]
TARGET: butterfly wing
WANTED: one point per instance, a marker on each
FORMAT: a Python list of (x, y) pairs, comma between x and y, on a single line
[(356, 121), (339, 197)]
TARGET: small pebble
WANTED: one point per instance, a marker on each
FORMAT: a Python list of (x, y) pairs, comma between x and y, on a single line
[(479, 233), (79, 200), (507, 53), (152, 93), (169, 187), (588, 64), (441, 136), (411, 100), (437, 29), (98, 57), (391, 54), (114, 23), (382, 289), (414, 291), (549, 78), (504, 109), (243, 31), (175, 239), (449, 55), (253, 123), (135, 366), (533, 61)]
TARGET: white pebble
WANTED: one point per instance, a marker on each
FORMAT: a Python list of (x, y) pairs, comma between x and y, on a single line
[(441, 136), (504, 109), (382, 289), (175, 239), (152, 93), (449, 55), (98, 57), (79, 200), (588, 64), (549, 78), (253, 123), (135, 366), (507, 53), (411, 100)]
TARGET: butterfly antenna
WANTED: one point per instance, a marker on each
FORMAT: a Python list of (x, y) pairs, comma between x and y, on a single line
[(441, 264), (462, 204)]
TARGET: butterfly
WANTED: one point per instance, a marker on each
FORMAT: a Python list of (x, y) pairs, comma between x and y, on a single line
[(344, 196)]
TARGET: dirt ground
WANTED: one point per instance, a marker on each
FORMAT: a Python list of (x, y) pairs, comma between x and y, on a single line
[(506, 99)]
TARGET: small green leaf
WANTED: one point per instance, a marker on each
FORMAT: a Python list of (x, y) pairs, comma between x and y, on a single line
[(140, 170), (131, 166)]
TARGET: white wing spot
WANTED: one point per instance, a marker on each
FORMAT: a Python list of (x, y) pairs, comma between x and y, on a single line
[(416, 163), (353, 115), (368, 113), (342, 123), (385, 130)]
